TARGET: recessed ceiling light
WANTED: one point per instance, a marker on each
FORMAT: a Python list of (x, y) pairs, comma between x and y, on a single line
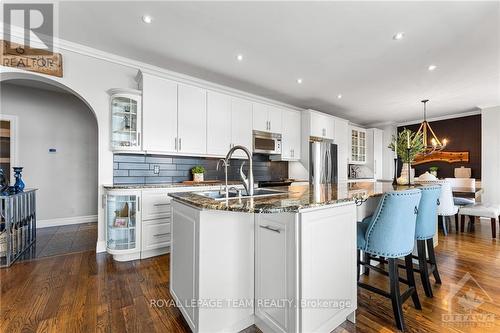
[(398, 36), (339, 96), (299, 81), (147, 19), (432, 67), (239, 57)]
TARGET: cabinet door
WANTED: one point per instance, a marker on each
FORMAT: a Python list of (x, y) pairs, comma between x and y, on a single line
[(192, 123), (291, 135), (274, 118), (272, 264), (341, 139), (126, 121), (322, 125), (260, 117), (241, 125), (218, 123), (317, 125), (159, 114), (123, 221)]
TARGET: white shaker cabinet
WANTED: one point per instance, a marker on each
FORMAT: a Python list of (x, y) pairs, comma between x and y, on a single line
[(241, 125), (291, 135), (342, 142), (322, 125), (159, 114), (192, 120), (375, 149), (219, 123), (266, 118)]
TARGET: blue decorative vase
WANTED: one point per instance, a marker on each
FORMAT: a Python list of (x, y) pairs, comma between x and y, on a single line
[(4, 184), (19, 184)]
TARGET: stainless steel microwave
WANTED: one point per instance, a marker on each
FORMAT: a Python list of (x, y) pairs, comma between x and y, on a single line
[(266, 143)]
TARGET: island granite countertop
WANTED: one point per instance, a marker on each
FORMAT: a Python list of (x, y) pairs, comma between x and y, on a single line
[(295, 199)]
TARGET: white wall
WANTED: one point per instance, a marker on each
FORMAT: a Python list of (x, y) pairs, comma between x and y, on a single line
[(67, 179), (490, 154)]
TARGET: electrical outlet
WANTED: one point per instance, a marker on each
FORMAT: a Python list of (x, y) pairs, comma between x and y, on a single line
[(156, 169)]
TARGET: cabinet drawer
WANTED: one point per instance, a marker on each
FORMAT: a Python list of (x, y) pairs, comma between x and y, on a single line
[(155, 205), (155, 235)]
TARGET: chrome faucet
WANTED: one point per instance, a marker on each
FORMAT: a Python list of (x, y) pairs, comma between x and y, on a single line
[(225, 164), (247, 182)]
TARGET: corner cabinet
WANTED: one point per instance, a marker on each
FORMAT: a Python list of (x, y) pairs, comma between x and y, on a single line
[(123, 227), (126, 117), (137, 223), (358, 145)]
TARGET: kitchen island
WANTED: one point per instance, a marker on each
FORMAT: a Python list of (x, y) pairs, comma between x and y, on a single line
[(286, 262)]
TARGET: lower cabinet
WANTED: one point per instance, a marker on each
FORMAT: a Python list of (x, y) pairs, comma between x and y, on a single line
[(137, 223), (274, 277)]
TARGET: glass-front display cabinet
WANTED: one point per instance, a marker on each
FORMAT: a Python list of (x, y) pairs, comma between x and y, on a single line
[(358, 146), (126, 118), (123, 229)]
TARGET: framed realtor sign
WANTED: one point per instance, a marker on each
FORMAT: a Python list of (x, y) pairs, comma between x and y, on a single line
[(31, 59)]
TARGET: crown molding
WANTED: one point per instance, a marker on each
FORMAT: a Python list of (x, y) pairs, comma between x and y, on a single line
[(59, 44)]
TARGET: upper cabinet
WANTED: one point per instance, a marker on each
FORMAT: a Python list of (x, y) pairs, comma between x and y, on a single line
[(291, 135), (266, 118), (322, 125), (218, 123), (160, 114), (241, 125), (358, 145), (229, 123), (125, 105), (192, 120)]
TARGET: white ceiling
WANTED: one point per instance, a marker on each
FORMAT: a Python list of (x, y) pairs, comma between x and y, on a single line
[(336, 47)]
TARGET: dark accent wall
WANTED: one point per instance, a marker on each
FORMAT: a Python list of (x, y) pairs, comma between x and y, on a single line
[(139, 169), (463, 134)]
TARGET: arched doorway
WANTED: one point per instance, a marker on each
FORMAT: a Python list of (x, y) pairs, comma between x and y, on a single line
[(56, 141)]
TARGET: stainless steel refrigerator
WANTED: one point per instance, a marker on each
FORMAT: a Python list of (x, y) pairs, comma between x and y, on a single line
[(323, 168)]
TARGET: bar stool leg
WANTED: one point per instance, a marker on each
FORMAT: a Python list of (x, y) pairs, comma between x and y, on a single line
[(432, 260), (395, 294), (366, 259), (462, 223), (358, 257), (411, 281), (456, 223), (494, 228), (443, 224), (422, 265)]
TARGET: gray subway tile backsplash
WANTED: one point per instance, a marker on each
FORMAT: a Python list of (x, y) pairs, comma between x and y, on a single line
[(139, 169)]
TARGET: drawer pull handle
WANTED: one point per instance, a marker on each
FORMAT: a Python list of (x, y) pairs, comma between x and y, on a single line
[(161, 204), (269, 228), (161, 235)]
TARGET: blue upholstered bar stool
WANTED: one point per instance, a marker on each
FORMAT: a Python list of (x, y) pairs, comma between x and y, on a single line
[(424, 233), (390, 233)]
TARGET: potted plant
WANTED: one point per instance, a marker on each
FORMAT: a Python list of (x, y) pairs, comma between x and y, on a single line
[(197, 172), (434, 171), (407, 145)]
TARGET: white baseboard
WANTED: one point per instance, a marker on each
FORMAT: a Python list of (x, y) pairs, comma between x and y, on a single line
[(65, 221)]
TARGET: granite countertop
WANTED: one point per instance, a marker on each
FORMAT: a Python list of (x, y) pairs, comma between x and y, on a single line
[(171, 185), (296, 198)]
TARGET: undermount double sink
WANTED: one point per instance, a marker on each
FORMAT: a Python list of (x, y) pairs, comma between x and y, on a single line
[(257, 193)]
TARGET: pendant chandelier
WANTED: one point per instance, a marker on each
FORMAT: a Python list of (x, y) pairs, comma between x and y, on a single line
[(434, 144)]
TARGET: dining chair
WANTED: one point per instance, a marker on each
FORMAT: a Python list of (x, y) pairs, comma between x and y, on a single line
[(390, 233), (462, 182), (446, 208)]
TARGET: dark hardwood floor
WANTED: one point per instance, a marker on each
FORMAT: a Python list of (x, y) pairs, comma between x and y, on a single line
[(85, 292)]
